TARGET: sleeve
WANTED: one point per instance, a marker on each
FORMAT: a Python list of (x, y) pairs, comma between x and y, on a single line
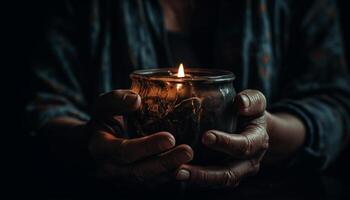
[(56, 75), (316, 83)]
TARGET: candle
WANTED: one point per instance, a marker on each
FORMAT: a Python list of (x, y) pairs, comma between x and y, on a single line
[(185, 102), (181, 71)]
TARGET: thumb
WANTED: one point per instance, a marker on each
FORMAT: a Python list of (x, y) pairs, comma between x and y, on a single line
[(250, 103)]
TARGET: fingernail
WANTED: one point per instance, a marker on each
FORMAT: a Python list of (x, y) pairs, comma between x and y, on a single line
[(183, 174), (209, 138), (167, 143), (172, 141), (245, 100), (131, 98), (185, 157)]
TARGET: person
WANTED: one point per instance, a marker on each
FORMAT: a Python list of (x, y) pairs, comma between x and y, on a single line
[(287, 56)]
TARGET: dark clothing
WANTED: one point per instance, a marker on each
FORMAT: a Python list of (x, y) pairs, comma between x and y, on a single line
[(290, 50), (182, 50)]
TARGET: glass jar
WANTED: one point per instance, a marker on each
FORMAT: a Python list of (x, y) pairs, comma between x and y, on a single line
[(186, 107)]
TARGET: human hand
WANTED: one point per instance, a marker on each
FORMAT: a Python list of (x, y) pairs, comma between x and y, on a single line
[(246, 147), (151, 159)]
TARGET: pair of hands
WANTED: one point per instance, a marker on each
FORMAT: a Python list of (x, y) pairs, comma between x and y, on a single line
[(156, 158)]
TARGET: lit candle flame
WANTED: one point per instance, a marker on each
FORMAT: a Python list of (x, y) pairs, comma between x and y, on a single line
[(181, 71)]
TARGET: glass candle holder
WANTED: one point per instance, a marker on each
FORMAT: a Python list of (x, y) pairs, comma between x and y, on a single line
[(186, 107)]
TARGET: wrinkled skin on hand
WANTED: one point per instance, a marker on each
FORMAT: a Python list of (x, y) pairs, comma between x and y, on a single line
[(246, 148), (147, 160), (155, 159)]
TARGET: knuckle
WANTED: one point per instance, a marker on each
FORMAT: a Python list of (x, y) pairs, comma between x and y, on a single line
[(225, 141), (265, 146), (253, 163), (263, 119), (266, 141), (230, 179), (263, 137), (254, 167), (256, 139), (259, 128), (259, 121), (248, 147)]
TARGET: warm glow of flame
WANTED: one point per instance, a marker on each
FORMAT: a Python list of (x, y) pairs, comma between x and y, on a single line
[(181, 71), (178, 86)]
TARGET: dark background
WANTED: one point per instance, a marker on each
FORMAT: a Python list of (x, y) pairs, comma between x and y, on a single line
[(27, 171)]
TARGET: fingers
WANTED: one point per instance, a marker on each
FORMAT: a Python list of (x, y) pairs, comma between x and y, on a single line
[(150, 168), (163, 163), (250, 103), (126, 151), (251, 141), (117, 102), (227, 176)]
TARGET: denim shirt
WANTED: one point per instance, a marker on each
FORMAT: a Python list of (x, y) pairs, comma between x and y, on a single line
[(292, 51)]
